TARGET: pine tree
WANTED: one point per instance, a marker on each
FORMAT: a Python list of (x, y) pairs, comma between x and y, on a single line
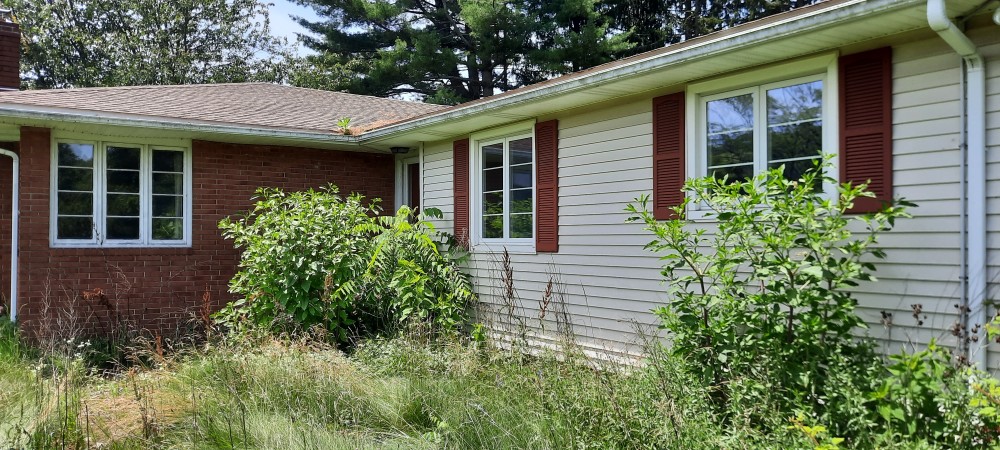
[(447, 51)]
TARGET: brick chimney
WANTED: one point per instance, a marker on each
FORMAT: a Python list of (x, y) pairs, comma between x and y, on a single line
[(10, 52)]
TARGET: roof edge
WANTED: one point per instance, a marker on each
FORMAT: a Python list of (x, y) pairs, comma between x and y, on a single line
[(94, 117)]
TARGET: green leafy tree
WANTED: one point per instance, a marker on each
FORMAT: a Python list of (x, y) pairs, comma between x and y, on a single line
[(86, 43), (447, 51), (654, 24)]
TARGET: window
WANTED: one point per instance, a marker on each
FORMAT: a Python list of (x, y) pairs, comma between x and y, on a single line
[(505, 180), (120, 195), (750, 130)]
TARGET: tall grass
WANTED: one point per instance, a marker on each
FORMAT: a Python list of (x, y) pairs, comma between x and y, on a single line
[(399, 393)]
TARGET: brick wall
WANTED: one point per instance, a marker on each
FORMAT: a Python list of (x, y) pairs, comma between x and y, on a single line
[(10, 55), (161, 289)]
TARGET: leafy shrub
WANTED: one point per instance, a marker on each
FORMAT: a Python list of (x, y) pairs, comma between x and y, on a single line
[(759, 303), (412, 272), (925, 397), (314, 258)]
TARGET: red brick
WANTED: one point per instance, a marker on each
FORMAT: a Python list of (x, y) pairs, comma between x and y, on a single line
[(166, 284)]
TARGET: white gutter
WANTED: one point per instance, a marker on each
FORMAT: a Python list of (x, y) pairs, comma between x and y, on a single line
[(15, 214), (974, 105)]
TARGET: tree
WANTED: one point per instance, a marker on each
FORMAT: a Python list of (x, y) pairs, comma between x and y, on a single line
[(85, 43), (653, 24), (448, 51)]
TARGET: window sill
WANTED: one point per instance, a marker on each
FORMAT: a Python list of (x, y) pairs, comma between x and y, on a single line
[(519, 248), (118, 246)]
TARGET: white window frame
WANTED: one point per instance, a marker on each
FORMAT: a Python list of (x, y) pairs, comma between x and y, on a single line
[(100, 197), (476, 142), (758, 82)]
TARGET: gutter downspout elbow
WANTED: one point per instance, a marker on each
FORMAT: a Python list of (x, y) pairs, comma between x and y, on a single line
[(974, 104)]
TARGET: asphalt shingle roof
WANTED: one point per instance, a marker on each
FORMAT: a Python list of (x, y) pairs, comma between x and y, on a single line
[(243, 104)]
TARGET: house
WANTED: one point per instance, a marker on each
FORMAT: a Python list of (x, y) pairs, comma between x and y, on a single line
[(906, 93)]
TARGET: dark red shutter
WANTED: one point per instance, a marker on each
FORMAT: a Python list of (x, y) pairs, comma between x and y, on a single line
[(866, 125), (460, 178), (547, 186), (668, 154)]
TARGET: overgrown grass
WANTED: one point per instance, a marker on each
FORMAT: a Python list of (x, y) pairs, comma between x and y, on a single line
[(400, 393)]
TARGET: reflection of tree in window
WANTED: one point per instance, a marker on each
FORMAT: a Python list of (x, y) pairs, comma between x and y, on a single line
[(795, 127), (730, 136), (507, 189)]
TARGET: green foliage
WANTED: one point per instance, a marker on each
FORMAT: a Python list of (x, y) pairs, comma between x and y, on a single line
[(142, 42), (925, 397), (762, 294), (455, 51), (344, 124), (314, 258), (449, 52), (654, 24)]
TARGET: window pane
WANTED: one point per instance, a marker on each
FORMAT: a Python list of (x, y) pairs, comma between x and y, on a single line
[(520, 177), (123, 158), (123, 205), (168, 161), (168, 229), (493, 203), (168, 206), (795, 140), (74, 228), (75, 179), (123, 228), (730, 148), (492, 227), (730, 114), (795, 169), (520, 151), (521, 226), (123, 181), (76, 155), (492, 180), (76, 204), (795, 103), (736, 173), (521, 200), (493, 156), (168, 183), (794, 121)]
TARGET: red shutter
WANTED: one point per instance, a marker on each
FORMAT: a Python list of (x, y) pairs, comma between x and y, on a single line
[(866, 125), (460, 178), (547, 186), (668, 154)]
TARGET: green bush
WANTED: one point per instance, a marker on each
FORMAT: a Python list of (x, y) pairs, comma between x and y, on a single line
[(760, 303), (314, 258)]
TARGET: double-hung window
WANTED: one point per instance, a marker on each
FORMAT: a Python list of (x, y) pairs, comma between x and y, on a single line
[(506, 189), (750, 130), (120, 194)]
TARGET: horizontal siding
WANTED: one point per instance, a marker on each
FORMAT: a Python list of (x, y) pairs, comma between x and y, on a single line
[(612, 284)]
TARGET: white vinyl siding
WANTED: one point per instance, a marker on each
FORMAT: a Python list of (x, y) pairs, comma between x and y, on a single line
[(605, 161)]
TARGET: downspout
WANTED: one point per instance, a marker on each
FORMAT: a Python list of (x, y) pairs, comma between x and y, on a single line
[(15, 214), (973, 101)]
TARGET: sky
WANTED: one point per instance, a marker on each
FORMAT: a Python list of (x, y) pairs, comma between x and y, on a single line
[(282, 23)]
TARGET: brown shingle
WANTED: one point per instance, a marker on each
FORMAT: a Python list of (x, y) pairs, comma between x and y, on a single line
[(246, 104)]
